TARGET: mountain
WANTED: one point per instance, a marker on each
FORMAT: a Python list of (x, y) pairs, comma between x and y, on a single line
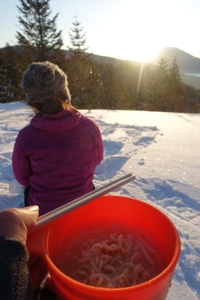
[(104, 59), (187, 63)]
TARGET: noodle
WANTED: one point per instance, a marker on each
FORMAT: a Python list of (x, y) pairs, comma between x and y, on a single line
[(115, 261)]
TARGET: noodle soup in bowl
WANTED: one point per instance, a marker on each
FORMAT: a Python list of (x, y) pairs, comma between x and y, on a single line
[(110, 257), (114, 247)]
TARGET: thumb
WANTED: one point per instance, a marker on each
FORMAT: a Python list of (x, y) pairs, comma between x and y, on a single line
[(29, 215), (16, 222)]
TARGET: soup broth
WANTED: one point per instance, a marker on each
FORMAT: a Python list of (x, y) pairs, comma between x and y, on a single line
[(110, 258)]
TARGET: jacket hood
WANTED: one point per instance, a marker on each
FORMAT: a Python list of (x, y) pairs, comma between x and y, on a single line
[(60, 122)]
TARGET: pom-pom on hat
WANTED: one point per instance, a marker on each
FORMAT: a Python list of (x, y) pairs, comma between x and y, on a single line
[(45, 82)]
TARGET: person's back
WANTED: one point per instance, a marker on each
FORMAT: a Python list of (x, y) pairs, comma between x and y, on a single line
[(56, 155)]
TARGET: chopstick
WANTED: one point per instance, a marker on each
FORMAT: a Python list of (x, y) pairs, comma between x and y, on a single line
[(68, 207)]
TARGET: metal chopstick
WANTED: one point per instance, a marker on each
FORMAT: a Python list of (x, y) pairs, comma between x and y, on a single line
[(60, 211)]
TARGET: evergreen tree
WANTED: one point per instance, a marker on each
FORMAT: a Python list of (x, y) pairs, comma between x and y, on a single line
[(174, 74), (110, 90), (10, 75), (191, 99), (176, 102), (129, 81), (82, 71), (158, 93), (39, 37), (78, 41)]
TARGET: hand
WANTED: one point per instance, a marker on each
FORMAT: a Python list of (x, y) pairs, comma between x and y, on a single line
[(15, 224)]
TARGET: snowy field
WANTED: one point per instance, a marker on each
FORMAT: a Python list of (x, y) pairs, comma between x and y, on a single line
[(161, 149)]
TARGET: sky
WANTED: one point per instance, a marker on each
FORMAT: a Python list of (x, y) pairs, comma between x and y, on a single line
[(125, 29), (161, 149)]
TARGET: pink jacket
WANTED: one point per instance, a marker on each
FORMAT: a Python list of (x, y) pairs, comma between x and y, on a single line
[(56, 155)]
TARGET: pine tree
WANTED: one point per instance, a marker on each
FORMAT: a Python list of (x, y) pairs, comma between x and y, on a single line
[(174, 74), (78, 41), (83, 74), (158, 92), (10, 75), (39, 36), (129, 82), (110, 87), (176, 102)]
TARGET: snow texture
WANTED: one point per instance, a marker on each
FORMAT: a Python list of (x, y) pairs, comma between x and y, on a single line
[(161, 149)]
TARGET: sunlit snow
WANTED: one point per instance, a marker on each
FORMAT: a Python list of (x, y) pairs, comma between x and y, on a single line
[(161, 149)]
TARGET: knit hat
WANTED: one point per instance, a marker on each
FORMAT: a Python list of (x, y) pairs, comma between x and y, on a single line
[(44, 82)]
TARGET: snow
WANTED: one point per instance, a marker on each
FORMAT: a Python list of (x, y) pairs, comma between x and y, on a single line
[(161, 149)]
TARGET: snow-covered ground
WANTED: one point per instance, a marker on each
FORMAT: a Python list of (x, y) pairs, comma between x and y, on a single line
[(161, 149)]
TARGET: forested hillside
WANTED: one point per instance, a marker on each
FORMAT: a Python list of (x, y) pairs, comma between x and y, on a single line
[(95, 82)]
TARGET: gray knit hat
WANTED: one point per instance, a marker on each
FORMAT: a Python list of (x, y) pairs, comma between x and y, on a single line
[(44, 82)]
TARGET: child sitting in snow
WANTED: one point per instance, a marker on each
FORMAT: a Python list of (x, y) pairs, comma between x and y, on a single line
[(55, 156)]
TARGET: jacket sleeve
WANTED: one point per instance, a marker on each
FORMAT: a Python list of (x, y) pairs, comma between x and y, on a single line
[(15, 281), (20, 162), (99, 145)]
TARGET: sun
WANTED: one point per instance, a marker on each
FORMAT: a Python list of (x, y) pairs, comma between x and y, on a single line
[(136, 30), (139, 48), (140, 29)]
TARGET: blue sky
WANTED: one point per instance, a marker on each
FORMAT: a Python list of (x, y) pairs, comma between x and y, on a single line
[(126, 29)]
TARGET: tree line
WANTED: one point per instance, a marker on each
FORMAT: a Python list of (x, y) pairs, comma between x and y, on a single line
[(93, 85)]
